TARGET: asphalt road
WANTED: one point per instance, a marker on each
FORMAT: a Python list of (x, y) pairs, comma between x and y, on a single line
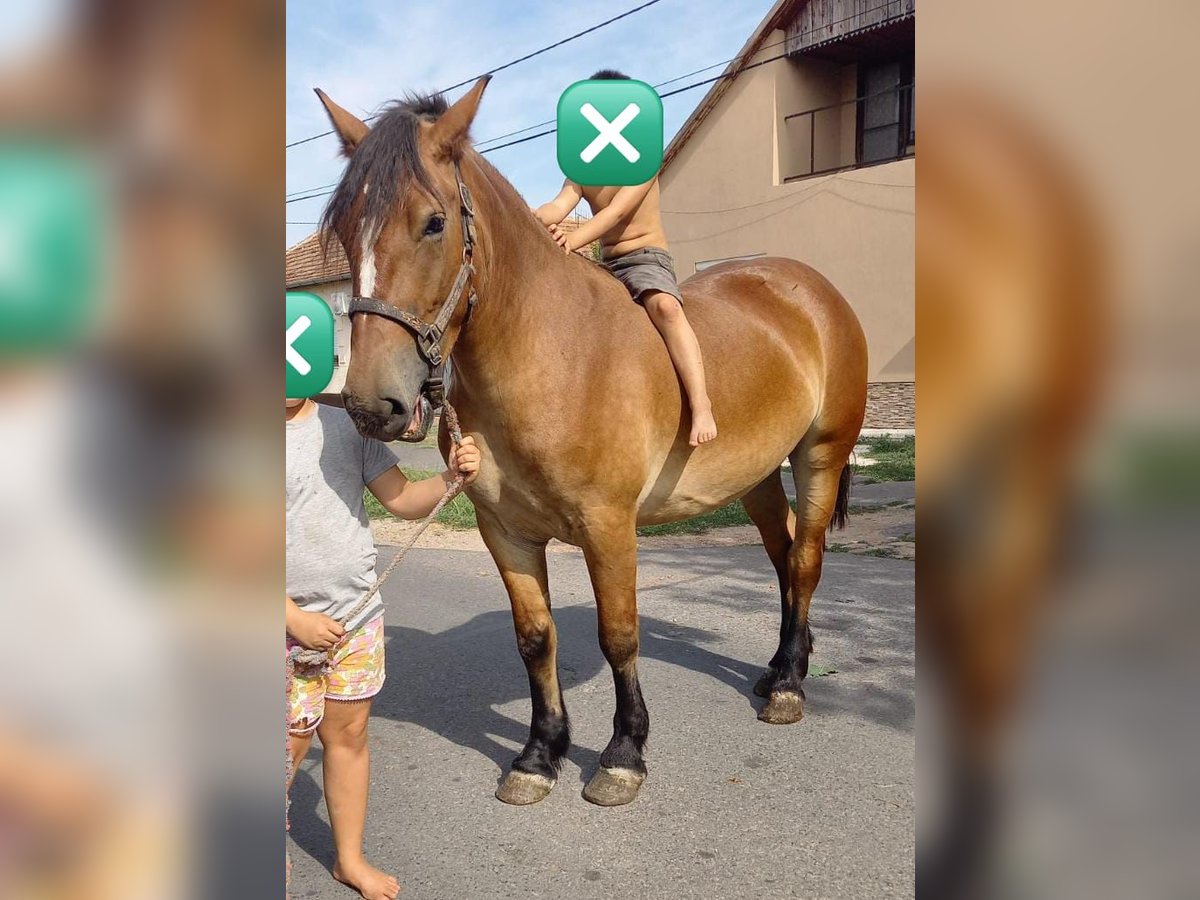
[(732, 807)]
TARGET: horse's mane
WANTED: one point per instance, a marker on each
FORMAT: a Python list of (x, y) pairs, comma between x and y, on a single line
[(511, 195), (389, 162)]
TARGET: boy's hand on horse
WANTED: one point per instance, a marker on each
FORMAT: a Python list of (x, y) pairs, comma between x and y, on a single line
[(562, 238), (464, 460), (315, 631)]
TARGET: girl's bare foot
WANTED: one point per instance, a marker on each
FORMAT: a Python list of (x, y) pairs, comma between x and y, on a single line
[(366, 879), (704, 427)]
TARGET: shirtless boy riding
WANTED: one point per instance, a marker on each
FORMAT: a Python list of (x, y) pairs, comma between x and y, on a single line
[(626, 220)]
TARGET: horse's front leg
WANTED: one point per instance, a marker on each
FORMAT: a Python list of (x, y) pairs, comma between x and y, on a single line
[(611, 553), (522, 565)]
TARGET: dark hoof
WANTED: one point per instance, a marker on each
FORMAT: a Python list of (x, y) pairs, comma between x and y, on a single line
[(763, 687), (523, 788), (784, 708), (613, 787)]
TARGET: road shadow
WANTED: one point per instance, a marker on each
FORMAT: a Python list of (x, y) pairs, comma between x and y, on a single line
[(454, 679), (869, 601), (310, 832), (451, 682)]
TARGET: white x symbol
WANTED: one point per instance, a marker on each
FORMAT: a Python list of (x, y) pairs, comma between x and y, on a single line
[(291, 354), (610, 132)]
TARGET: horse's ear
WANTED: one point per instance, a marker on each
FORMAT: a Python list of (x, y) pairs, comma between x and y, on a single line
[(449, 133), (348, 127)]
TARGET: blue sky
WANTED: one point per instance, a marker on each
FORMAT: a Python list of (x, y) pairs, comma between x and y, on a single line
[(364, 54)]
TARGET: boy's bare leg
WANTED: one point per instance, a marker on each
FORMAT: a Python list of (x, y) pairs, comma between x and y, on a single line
[(667, 315), (347, 769)]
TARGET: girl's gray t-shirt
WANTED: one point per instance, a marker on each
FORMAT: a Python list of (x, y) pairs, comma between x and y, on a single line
[(330, 551)]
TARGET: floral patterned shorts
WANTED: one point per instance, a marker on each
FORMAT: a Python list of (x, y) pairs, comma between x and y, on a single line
[(357, 674)]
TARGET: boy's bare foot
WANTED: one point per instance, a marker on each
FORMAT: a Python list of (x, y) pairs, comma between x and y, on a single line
[(366, 879), (704, 427)]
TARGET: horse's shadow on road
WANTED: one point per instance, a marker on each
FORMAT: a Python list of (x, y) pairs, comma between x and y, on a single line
[(454, 680), (449, 683)]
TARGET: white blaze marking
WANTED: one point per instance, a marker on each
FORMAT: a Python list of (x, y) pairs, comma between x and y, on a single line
[(610, 132), (366, 272)]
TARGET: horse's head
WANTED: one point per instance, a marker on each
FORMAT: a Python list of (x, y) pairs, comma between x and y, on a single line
[(397, 213)]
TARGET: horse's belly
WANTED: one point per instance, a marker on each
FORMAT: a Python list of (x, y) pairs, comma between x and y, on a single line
[(687, 485)]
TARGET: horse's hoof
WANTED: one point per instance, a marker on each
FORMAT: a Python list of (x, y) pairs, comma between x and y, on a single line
[(524, 788), (784, 708), (763, 687), (613, 787)]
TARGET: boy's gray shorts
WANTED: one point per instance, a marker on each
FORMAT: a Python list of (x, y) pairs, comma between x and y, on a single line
[(648, 269)]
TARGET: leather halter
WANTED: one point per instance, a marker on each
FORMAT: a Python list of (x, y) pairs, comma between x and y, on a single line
[(428, 335)]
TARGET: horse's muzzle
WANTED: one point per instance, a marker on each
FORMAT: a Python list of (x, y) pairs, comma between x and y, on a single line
[(383, 419), (418, 425)]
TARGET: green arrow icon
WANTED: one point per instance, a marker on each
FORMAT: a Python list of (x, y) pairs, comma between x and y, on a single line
[(308, 344)]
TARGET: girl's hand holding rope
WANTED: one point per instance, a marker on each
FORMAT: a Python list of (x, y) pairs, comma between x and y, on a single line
[(316, 631), (464, 460)]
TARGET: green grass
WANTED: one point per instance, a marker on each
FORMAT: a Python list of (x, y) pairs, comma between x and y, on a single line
[(896, 462), (459, 513), (733, 514), (883, 552), (895, 459)]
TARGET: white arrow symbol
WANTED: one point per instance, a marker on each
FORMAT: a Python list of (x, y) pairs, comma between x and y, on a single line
[(610, 132), (295, 360)]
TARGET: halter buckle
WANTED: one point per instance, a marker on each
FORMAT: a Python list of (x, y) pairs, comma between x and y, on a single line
[(429, 342)]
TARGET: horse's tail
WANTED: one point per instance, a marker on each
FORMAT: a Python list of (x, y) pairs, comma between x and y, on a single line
[(842, 505)]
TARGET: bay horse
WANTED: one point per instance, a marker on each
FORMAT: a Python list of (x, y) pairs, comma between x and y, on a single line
[(570, 394)]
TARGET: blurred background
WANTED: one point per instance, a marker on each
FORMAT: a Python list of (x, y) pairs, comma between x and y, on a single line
[(1057, 327), (140, 462), (140, 534)]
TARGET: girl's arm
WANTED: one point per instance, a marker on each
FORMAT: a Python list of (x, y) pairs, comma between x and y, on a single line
[(409, 499), (415, 499)]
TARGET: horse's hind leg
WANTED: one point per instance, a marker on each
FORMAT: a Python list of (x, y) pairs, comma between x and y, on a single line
[(522, 566), (820, 492), (768, 507)]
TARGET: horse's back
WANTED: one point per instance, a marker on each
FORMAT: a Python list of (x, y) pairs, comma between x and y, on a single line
[(766, 284), (775, 300)]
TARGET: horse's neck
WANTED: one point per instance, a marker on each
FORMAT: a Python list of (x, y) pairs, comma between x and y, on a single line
[(526, 287)]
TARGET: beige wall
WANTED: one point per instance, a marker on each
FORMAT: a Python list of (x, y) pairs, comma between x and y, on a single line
[(723, 196), (341, 329)]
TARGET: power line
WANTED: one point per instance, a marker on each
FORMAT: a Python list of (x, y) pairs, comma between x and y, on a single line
[(326, 190), (323, 192), (307, 190), (318, 192), (527, 56), (723, 62)]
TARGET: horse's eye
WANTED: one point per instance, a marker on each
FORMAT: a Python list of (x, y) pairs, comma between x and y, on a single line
[(435, 225)]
